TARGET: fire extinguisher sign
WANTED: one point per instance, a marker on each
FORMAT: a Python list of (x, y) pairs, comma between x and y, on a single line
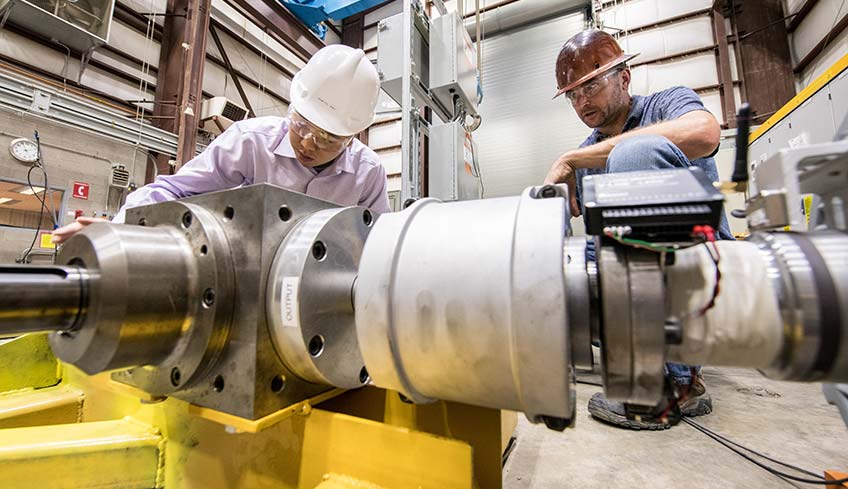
[(80, 190)]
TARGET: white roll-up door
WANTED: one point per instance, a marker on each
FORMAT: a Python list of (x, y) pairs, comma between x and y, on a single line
[(523, 130)]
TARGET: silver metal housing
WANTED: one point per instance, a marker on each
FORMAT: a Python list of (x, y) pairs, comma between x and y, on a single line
[(809, 273), (122, 327), (465, 301), (310, 297)]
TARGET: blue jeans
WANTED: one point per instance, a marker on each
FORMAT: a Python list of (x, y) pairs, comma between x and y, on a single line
[(650, 152)]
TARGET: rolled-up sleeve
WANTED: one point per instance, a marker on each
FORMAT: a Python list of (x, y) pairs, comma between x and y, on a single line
[(226, 163)]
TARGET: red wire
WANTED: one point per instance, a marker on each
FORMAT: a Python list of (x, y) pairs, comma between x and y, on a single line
[(708, 234)]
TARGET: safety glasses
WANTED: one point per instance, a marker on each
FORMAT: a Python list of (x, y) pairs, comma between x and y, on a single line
[(322, 139), (591, 87)]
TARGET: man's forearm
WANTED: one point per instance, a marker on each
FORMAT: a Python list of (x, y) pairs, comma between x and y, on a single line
[(694, 135)]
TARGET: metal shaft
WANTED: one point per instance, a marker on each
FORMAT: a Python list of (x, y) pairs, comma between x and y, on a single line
[(39, 299)]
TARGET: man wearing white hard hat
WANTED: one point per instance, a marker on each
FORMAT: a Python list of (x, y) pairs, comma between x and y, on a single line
[(313, 150)]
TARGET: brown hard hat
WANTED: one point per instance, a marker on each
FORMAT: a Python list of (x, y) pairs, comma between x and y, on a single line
[(585, 56)]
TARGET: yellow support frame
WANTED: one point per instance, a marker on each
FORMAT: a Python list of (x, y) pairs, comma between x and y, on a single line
[(27, 362), (52, 405), (365, 439), (119, 454)]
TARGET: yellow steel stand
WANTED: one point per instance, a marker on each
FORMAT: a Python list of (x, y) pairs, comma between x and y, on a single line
[(93, 432)]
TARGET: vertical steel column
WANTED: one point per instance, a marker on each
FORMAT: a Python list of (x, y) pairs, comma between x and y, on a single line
[(180, 76), (196, 27), (168, 79), (728, 99)]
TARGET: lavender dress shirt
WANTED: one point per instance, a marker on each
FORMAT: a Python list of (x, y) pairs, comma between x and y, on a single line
[(258, 150)]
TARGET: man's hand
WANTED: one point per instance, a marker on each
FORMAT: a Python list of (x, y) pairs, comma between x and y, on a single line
[(63, 233), (565, 171)]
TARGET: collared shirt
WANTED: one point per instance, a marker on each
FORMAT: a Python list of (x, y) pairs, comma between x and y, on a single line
[(665, 105), (258, 150)]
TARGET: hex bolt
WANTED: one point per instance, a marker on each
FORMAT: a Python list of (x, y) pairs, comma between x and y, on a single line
[(548, 192)]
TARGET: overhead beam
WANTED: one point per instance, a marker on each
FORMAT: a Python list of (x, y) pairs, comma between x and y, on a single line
[(233, 74), (281, 24)]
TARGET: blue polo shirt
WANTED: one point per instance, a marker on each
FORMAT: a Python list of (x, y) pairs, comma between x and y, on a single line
[(662, 106)]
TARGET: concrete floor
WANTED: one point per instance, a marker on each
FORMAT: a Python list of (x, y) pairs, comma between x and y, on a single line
[(788, 421)]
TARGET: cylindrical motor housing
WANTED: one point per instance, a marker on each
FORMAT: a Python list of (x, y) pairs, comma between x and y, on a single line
[(466, 301)]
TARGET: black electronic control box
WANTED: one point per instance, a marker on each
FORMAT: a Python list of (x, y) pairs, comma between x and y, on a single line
[(653, 204)]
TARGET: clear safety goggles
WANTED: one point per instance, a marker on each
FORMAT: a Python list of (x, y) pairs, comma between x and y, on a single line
[(322, 139), (591, 87)]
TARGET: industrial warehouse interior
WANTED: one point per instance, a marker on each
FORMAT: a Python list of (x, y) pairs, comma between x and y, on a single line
[(423, 244)]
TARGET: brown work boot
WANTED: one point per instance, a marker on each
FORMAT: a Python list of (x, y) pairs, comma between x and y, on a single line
[(697, 401)]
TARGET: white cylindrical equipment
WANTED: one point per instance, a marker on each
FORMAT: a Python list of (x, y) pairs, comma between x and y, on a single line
[(741, 329), (466, 302)]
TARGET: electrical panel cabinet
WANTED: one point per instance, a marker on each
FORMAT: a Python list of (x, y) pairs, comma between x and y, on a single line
[(454, 171), (453, 63), (391, 57)]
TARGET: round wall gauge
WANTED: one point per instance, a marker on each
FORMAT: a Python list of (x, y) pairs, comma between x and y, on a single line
[(23, 149)]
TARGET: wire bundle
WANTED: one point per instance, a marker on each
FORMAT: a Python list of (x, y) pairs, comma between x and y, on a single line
[(740, 450), (703, 234)]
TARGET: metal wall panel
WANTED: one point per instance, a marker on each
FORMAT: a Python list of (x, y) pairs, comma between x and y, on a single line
[(384, 135), (758, 152), (638, 13), (674, 39), (128, 40), (778, 136), (519, 13), (391, 162), (369, 38), (712, 101), (58, 63), (812, 121), (523, 130), (694, 72), (792, 6), (387, 10), (839, 98), (823, 16), (836, 49)]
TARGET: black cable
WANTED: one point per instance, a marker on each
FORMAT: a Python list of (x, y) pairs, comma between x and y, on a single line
[(762, 455), (42, 199), (771, 470), (26, 253), (54, 215)]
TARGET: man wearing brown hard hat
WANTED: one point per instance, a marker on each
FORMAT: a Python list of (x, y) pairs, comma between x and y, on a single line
[(667, 129)]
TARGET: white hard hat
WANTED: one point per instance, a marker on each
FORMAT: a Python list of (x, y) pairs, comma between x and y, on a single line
[(337, 90)]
